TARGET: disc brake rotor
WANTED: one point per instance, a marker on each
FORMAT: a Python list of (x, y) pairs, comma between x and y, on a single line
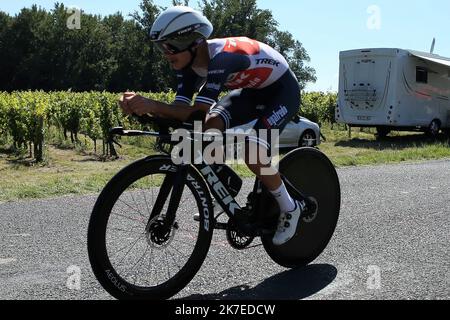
[(158, 235)]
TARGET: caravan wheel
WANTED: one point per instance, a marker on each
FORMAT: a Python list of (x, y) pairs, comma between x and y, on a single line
[(382, 132)]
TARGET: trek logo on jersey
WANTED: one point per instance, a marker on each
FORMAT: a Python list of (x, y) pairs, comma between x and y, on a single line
[(268, 61), (277, 117)]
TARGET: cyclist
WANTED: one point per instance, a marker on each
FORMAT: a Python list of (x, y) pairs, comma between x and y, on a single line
[(263, 88)]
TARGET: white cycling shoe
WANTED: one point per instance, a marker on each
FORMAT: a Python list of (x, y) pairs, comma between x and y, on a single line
[(287, 224)]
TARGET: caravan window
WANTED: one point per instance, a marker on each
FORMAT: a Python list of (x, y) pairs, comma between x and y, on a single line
[(421, 75)]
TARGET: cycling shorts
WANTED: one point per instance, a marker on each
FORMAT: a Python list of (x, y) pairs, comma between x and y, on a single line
[(273, 107)]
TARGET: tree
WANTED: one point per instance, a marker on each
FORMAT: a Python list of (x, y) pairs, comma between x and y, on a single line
[(296, 55), (24, 49), (157, 73), (238, 18), (5, 49), (38, 50), (243, 18)]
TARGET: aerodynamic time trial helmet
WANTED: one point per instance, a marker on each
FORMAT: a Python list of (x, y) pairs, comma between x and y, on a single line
[(180, 28)]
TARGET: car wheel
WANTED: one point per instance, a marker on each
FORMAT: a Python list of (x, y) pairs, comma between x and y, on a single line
[(434, 128), (308, 139)]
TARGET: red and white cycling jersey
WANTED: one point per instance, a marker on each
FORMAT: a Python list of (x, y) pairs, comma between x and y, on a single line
[(236, 63)]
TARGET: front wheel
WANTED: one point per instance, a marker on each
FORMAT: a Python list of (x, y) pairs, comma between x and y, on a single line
[(134, 252), (312, 173)]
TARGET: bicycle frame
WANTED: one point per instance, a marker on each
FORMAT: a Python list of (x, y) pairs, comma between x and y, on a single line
[(175, 182)]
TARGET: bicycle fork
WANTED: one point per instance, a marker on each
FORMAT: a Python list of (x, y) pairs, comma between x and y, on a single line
[(173, 184)]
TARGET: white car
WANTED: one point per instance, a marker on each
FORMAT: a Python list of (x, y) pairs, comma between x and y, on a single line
[(300, 132)]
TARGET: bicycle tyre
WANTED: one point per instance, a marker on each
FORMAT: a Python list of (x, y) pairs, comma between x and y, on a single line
[(109, 278), (311, 172)]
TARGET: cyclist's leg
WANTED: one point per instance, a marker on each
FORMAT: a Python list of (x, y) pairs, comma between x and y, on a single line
[(245, 105), (282, 102), (235, 109), (280, 109)]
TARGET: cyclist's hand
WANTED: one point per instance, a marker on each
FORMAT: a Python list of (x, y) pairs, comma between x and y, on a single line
[(139, 105), (123, 102)]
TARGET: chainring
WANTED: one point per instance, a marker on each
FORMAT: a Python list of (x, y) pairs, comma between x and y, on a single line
[(237, 240)]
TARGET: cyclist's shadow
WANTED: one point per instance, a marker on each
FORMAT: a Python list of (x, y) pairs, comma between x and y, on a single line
[(294, 284)]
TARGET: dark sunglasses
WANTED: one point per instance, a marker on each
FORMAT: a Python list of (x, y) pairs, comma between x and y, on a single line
[(167, 48), (177, 45)]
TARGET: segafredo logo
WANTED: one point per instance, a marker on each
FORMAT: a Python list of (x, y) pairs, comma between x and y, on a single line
[(277, 116)]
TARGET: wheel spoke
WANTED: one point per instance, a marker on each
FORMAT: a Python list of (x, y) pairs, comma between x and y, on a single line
[(129, 206), (132, 246), (124, 216)]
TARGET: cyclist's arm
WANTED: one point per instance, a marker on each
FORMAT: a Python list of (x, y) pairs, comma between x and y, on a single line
[(181, 109), (219, 69), (178, 110)]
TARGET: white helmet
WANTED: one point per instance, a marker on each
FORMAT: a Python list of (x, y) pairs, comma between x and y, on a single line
[(180, 28)]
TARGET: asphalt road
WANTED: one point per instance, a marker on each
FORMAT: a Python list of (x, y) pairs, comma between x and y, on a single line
[(392, 242)]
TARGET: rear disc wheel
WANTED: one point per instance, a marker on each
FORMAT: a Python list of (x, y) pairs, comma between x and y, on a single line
[(312, 173)]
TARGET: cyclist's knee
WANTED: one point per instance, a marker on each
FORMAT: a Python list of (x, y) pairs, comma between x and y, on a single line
[(214, 122)]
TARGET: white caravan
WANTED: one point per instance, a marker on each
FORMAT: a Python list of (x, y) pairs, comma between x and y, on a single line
[(394, 89)]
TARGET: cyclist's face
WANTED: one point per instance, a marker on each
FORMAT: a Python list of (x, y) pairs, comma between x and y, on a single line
[(178, 61)]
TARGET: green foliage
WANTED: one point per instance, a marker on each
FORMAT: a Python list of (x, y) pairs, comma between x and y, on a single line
[(319, 107), (25, 116)]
